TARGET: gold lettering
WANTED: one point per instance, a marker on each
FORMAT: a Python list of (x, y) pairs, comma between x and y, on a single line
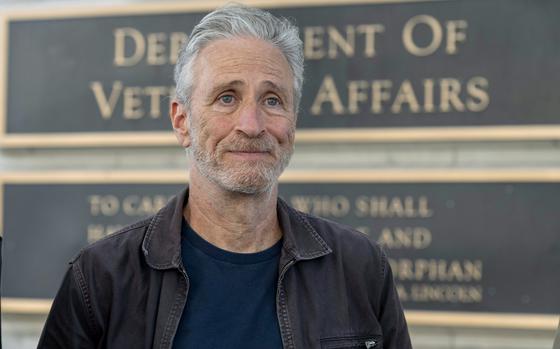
[(384, 207), (369, 30), (452, 97), (313, 42), (176, 41), (476, 88), (327, 94), (429, 95), (155, 93), (455, 271), (106, 105), (130, 205), (340, 206), (155, 54), (135, 205), (336, 40), (403, 294), (405, 95), (356, 94), (473, 270), (396, 207), (386, 238), (455, 34), (445, 293), (408, 30), (362, 206), (132, 103), (408, 237), (120, 58), (405, 270), (434, 269), (106, 205), (450, 89), (322, 205), (424, 211), (301, 203), (98, 231), (379, 94), (422, 268), (95, 232)]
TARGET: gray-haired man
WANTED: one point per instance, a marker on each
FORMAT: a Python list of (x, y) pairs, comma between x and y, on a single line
[(226, 264)]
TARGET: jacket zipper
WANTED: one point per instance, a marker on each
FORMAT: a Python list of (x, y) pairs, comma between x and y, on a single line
[(286, 337), (350, 342)]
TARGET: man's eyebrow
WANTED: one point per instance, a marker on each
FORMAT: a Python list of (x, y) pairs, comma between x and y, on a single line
[(277, 88), (237, 83), (225, 86)]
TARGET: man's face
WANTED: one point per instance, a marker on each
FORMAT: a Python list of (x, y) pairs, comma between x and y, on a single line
[(241, 120)]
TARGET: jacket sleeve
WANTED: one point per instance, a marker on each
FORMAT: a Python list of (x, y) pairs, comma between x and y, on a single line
[(70, 322), (392, 320)]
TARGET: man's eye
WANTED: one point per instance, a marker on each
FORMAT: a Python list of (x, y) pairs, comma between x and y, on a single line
[(272, 101), (226, 99)]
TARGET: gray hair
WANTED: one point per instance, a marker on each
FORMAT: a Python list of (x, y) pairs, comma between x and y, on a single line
[(236, 20)]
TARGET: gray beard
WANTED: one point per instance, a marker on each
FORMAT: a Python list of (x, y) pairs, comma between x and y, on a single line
[(250, 178)]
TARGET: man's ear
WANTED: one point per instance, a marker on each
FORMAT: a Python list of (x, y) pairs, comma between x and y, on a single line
[(179, 114)]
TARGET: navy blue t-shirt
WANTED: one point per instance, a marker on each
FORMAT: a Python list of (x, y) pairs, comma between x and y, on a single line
[(231, 301)]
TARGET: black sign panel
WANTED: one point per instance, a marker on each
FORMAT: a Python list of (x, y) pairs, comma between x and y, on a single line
[(455, 246), (476, 247), (368, 66), (47, 224)]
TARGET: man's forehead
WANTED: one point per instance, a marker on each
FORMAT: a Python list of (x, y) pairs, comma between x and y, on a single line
[(241, 55), (240, 63)]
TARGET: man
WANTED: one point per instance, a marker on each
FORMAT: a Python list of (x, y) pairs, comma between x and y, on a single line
[(226, 264)]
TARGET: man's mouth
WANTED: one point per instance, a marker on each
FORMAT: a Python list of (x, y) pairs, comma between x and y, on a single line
[(249, 151), (249, 154)]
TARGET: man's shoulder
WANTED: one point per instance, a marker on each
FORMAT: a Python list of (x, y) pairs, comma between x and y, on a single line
[(343, 239), (354, 253), (121, 244)]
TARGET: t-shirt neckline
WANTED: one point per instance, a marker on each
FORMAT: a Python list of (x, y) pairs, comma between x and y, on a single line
[(191, 237)]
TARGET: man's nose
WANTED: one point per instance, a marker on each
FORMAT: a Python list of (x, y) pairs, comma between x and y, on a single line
[(251, 120)]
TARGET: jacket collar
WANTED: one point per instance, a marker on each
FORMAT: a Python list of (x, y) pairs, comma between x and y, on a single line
[(162, 242), (301, 240)]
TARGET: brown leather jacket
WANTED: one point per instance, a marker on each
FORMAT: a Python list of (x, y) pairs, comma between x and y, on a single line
[(335, 288)]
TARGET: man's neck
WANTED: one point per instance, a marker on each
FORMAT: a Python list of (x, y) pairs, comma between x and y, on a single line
[(243, 223)]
